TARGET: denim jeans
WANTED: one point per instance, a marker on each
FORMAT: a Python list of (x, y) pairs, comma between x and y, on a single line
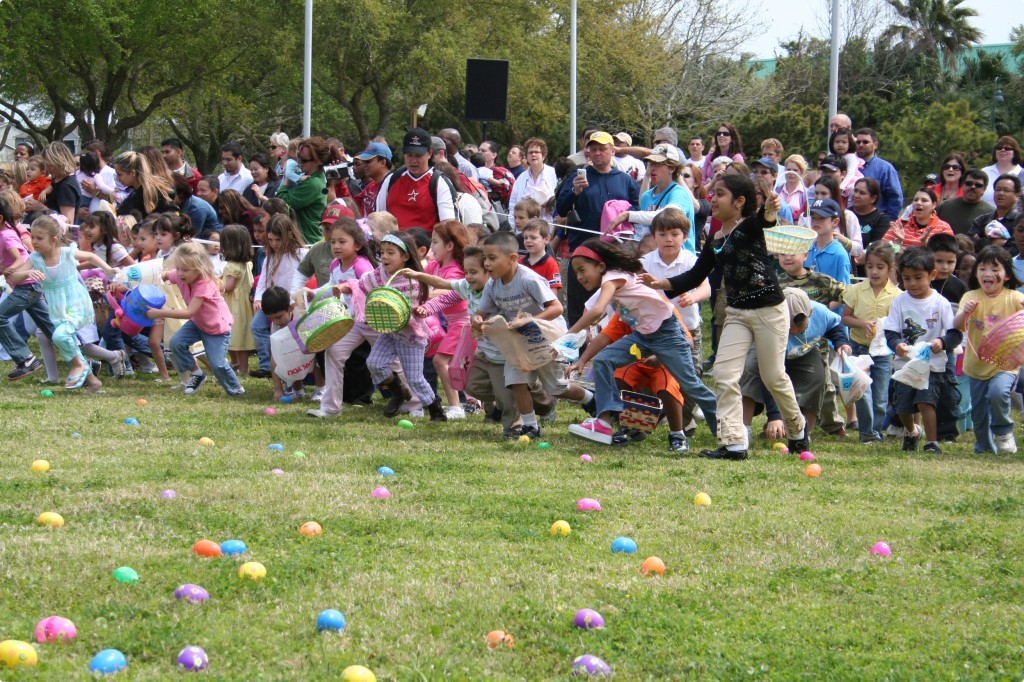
[(990, 409), (115, 339), (25, 298), (261, 332), (871, 406), (673, 350), (216, 347)]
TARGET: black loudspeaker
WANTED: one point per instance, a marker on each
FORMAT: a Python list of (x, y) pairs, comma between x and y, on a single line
[(486, 89)]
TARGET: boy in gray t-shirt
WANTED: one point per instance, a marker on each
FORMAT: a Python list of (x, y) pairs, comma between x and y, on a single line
[(513, 290)]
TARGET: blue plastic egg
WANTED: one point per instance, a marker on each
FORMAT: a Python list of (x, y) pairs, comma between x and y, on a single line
[(386, 471), (131, 421), (330, 620), (276, 446), (232, 547), (108, 661), (286, 399), (623, 545)]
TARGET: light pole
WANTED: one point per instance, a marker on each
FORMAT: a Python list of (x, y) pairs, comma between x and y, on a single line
[(997, 98)]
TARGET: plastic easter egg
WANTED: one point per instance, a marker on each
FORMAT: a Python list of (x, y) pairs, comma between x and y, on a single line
[(523, 440), (702, 500), (207, 549), (881, 549), (277, 472), (40, 466), (330, 620), (623, 545), (286, 399), (404, 424), (190, 592), (311, 528), (784, 451), (193, 659), (131, 421), (233, 547), (168, 494), (142, 402), (590, 665), (806, 456), (299, 453), (586, 458), (779, 446), (386, 471), (206, 442), (560, 528), (55, 629), (276, 446), (108, 662), (813, 470), (588, 504), (51, 519), (381, 492), (14, 653), (252, 570), (46, 393), (126, 574), (270, 411), (652, 565), (75, 434), (358, 673), (499, 638), (544, 446), (588, 619)]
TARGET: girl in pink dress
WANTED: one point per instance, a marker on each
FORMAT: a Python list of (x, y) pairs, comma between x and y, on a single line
[(446, 246)]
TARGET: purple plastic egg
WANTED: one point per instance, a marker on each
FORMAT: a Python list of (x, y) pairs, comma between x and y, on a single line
[(193, 659), (190, 592), (168, 494), (588, 619), (590, 665), (55, 629), (586, 458), (277, 472)]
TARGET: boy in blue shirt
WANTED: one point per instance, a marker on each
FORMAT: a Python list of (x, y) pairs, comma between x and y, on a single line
[(826, 255)]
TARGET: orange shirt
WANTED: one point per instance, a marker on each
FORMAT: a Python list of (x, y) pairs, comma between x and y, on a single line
[(915, 235), (32, 188)]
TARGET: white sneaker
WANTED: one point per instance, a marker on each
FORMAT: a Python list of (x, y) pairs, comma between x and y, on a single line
[(146, 365), (1006, 444), (318, 394), (455, 412), (320, 414), (418, 412), (698, 414), (895, 431)]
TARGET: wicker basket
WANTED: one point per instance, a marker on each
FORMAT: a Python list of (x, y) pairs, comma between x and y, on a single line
[(325, 322), (1003, 346), (640, 411), (789, 240), (387, 310)]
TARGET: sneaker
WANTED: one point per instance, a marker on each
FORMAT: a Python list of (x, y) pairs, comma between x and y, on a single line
[(195, 383), (590, 407), (677, 443), (875, 437), (1006, 444), (689, 432), (260, 374), (798, 446), (455, 412), (320, 414), (533, 432), (592, 429), (840, 434), (933, 448), (24, 369), (418, 412), (698, 414), (895, 431), (910, 442), (625, 436), (493, 417), (472, 406), (318, 394), (240, 393), (724, 453), (146, 365), (118, 366)]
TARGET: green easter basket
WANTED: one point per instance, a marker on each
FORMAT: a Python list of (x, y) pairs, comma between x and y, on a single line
[(789, 239), (387, 310), (325, 322)]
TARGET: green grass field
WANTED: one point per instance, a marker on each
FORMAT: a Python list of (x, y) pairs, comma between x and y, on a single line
[(773, 581)]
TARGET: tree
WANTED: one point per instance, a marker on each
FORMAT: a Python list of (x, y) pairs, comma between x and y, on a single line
[(937, 28)]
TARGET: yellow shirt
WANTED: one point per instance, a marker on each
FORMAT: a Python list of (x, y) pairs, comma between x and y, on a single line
[(991, 311), (862, 303)]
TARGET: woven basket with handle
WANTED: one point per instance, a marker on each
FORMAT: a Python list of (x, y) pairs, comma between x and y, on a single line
[(387, 310)]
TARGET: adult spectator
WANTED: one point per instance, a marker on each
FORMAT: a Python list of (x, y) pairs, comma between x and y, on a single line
[(453, 143), (279, 152), (952, 174), (727, 143), (107, 176), (235, 176), (580, 157), (839, 121), (376, 164), (630, 165), (539, 181), (264, 180), (864, 205), (882, 171), (666, 136), (174, 159), (768, 168), (771, 148), (1006, 159), (696, 149), (150, 193), (208, 188), (204, 216), (516, 159), (308, 198), (501, 179), (415, 196), (587, 195), (24, 151), (960, 212), (793, 192), (922, 223), (233, 209), (1007, 189), (64, 193)]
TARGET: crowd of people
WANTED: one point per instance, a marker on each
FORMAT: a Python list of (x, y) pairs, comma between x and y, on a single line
[(613, 250)]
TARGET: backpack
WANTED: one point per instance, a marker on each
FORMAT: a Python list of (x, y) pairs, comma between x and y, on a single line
[(435, 178)]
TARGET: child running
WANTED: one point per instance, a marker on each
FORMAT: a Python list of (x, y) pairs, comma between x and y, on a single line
[(236, 248), (993, 297), (447, 244)]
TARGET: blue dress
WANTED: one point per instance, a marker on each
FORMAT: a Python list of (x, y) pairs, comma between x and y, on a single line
[(66, 298)]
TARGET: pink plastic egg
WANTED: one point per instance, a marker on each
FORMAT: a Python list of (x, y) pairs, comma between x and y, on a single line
[(381, 492), (806, 456), (270, 411), (55, 629), (588, 504), (881, 549), (586, 458)]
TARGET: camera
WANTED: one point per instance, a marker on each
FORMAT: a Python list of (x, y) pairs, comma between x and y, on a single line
[(337, 172)]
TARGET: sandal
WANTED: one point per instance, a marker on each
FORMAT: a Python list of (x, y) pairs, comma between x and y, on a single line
[(78, 380)]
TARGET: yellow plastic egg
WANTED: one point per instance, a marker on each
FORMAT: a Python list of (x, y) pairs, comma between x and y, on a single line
[(702, 500), (51, 519), (252, 570), (523, 440), (205, 442), (358, 673), (14, 653), (40, 466), (560, 528)]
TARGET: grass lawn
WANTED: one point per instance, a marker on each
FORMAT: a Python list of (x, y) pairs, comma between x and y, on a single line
[(773, 581)]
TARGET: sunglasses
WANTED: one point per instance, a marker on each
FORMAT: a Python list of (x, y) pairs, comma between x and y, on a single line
[(975, 185), (863, 142), (687, 175), (275, 146), (303, 160), (952, 166), (724, 133), (1004, 148)]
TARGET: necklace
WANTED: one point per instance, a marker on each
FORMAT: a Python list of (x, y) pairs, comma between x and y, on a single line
[(718, 249)]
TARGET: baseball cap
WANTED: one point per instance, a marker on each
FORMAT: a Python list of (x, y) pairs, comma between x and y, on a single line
[(797, 302), (335, 211), (600, 137), (826, 208), (623, 137), (375, 149), (769, 163), (668, 135), (664, 152), (416, 141), (437, 144)]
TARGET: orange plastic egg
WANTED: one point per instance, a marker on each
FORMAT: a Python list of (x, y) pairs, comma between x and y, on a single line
[(207, 548), (653, 564), (311, 528)]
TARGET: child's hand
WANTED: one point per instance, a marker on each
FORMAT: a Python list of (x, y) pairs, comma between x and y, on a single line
[(343, 289), (869, 327), (653, 282), (477, 323), (775, 430), (902, 349), (154, 314), (257, 305), (573, 369), (937, 346), (772, 206), (36, 275), (420, 311), (971, 306), (844, 350), (652, 362), (685, 300)]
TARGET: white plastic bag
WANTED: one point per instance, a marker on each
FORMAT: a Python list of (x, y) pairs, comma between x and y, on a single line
[(290, 363), (853, 380), (916, 372), (878, 347), (568, 347)]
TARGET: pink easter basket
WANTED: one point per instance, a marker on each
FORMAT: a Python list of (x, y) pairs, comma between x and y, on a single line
[(1003, 346)]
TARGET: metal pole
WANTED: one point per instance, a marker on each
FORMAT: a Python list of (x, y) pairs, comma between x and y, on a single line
[(995, 99), (833, 78), (307, 72), (572, 79)]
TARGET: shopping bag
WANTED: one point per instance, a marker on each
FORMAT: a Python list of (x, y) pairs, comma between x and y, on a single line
[(916, 372), (526, 341), (853, 380), (290, 363), (878, 347)]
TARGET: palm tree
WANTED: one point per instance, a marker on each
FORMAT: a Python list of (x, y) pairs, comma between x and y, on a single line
[(940, 28)]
